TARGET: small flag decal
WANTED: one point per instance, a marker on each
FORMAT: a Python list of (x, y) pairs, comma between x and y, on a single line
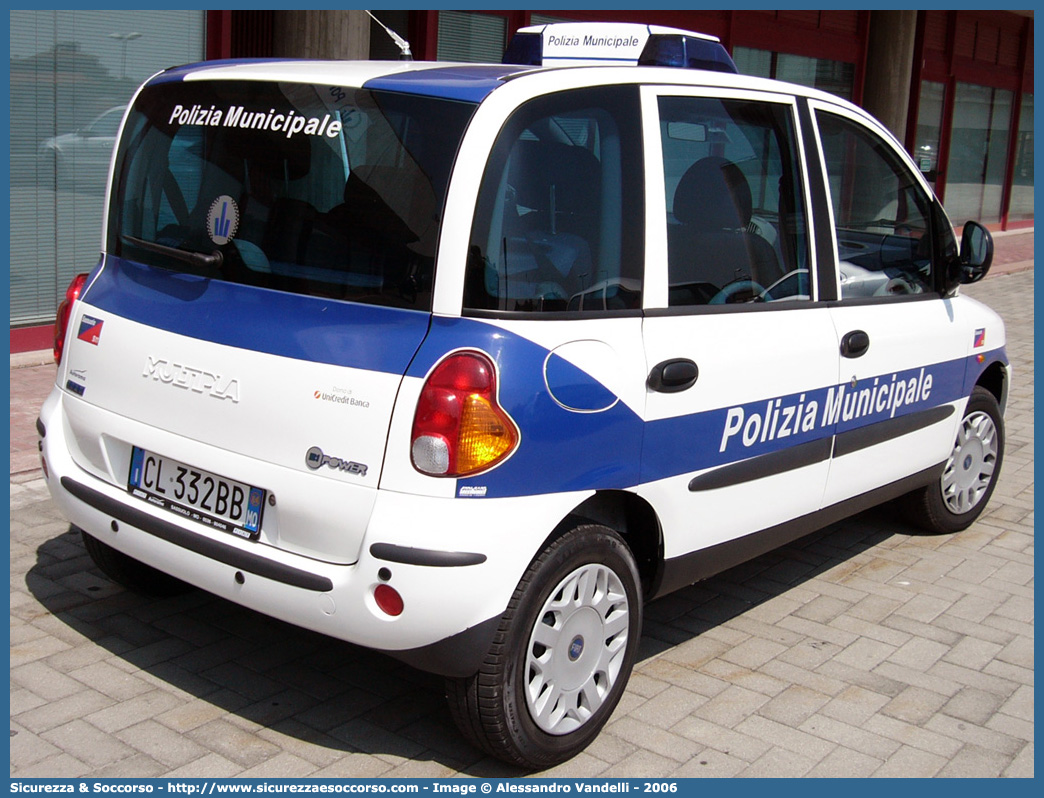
[(90, 330)]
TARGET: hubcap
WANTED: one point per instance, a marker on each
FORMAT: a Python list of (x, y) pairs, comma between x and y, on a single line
[(969, 470), (576, 649)]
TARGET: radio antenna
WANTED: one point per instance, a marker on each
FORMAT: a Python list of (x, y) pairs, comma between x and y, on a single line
[(403, 45)]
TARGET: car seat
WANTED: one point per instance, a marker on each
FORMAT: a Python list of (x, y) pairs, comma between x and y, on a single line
[(552, 229), (711, 243)]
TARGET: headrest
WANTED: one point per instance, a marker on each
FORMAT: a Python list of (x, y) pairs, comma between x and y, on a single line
[(713, 194), (536, 165), (276, 157)]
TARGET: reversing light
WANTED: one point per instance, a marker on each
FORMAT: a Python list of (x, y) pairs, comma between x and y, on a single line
[(459, 427), (61, 322)]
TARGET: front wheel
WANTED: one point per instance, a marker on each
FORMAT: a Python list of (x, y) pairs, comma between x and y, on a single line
[(970, 474), (562, 655)]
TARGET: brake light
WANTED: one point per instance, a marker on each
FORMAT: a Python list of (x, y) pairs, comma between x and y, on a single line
[(459, 428), (61, 322)]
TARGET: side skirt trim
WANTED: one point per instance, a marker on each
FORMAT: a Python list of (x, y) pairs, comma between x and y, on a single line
[(873, 434), (766, 465), (812, 452), (679, 572)]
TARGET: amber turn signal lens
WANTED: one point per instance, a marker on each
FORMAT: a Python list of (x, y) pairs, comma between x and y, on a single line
[(459, 428)]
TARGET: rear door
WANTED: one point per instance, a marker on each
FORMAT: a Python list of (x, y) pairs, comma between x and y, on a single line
[(739, 350)]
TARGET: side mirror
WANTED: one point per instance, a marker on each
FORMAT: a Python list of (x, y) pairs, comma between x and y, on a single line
[(976, 252)]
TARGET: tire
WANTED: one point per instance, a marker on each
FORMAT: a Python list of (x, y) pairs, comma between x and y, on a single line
[(958, 497), (546, 688), (131, 573)]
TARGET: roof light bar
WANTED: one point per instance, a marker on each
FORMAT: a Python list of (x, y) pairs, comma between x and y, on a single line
[(617, 43), (688, 52)]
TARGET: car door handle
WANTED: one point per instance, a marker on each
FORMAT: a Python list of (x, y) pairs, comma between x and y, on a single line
[(855, 344), (672, 376)]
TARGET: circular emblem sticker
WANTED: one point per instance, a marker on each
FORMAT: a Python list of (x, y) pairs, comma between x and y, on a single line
[(223, 219)]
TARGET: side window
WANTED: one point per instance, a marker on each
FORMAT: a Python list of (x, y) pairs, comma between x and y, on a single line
[(736, 227), (881, 213), (558, 223)]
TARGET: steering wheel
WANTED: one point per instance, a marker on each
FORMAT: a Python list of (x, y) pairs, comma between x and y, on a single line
[(799, 289), (897, 286), (737, 291), (548, 289)]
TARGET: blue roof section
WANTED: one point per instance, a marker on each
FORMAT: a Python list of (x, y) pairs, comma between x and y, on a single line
[(178, 73), (470, 83), (464, 82)]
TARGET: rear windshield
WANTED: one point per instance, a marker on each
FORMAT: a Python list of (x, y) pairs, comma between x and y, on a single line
[(318, 190)]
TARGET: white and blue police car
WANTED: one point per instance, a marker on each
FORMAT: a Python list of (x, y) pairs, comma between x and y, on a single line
[(466, 362)]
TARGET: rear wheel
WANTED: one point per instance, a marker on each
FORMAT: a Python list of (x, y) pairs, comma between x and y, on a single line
[(562, 655), (970, 474), (131, 573)]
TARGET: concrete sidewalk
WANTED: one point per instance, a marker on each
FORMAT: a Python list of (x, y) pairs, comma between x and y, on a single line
[(867, 649)]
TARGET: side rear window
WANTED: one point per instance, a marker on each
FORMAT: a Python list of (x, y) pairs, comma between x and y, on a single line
[(559, 219)]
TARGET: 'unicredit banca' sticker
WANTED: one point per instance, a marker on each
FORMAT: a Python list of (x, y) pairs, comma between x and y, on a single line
[(223, 220)]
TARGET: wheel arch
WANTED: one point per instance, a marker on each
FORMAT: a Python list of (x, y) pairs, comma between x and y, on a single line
[(634, 519), (994, 379)]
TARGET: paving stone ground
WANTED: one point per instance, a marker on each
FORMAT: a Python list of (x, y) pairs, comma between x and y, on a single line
[(867, 649)]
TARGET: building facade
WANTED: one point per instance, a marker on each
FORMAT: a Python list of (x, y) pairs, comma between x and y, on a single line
[(956, 87)]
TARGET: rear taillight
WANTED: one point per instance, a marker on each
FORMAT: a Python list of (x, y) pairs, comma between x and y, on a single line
[(459, 428), (61, 323)]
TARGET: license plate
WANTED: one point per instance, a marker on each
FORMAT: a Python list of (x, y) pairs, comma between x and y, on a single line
[(195, 494)]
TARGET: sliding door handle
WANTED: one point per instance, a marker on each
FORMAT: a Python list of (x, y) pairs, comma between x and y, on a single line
[(855, 344), (672, 376)]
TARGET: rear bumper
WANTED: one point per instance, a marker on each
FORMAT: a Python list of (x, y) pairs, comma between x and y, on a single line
[(125, 513), (455, 562)]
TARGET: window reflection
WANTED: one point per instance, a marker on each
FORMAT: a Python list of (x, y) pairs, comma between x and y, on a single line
[(836, 77), (1022, 180), (929, 126), (471, 37), (72, 73), (978, 153)]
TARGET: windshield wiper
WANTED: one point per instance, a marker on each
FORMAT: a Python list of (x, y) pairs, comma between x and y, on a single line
[(213, 260)]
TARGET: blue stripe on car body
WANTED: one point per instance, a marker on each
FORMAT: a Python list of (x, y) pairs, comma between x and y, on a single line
[(601, 449), (330, 331), (561, 449)]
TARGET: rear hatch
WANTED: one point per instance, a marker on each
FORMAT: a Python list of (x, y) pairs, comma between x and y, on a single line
[(267, 280)]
